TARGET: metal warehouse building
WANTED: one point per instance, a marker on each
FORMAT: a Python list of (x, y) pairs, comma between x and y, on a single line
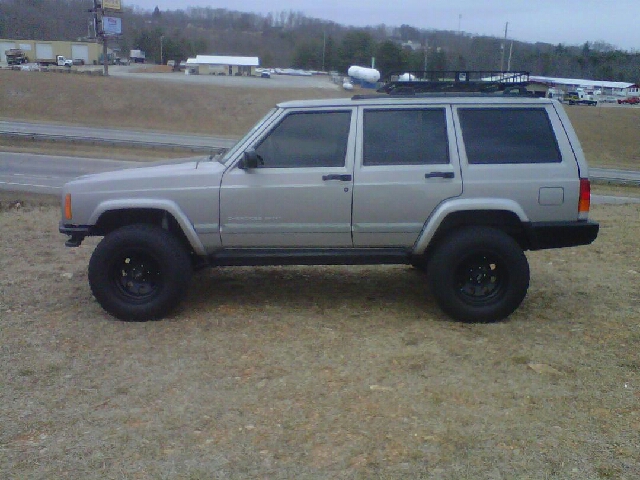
[(35, 49)]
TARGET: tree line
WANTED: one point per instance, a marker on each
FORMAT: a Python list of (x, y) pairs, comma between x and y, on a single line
[(291, 39)]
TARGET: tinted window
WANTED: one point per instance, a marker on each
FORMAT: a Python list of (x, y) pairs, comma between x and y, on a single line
[(508, 135), (307, 140), (405, 137)]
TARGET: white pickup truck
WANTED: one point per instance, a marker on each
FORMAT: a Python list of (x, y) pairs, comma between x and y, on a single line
[(59, 61)]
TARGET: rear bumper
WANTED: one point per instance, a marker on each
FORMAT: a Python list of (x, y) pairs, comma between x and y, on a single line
[(561, 234)]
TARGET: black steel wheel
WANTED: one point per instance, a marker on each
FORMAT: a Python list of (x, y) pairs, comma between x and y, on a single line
[(137, 275), (479, 274), (139, 272), (480, 278)]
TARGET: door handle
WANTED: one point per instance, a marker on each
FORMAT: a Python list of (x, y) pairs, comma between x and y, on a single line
[(439, 175), (337, 176)]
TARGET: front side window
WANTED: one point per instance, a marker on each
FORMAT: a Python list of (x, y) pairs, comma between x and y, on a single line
[(508, 135), (405, 137), (317, 139)]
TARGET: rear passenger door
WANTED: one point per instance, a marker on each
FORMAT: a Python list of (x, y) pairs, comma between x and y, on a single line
[(406, 164)]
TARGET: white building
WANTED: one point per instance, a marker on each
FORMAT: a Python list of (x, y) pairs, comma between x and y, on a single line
[(617, 89), (223, 65)]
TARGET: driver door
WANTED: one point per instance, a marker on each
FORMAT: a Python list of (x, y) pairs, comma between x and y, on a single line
[(300, 193)]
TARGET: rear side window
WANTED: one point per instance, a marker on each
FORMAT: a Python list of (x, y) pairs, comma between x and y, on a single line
[(508, 135), (317, 139), (405, 137)]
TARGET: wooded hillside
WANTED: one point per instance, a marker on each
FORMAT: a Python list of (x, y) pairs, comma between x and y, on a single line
[(291, 39)]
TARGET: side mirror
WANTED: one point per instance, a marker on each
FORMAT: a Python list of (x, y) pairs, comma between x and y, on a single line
[(250, 159)]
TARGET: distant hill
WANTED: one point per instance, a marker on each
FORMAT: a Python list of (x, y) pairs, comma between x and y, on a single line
[(290, 39)]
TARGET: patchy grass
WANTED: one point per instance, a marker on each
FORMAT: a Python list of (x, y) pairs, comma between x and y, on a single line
[(318, 372), (139, 104), (608, 135)]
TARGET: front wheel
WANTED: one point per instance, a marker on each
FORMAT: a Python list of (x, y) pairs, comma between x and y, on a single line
[(479, 274), (139, 272)]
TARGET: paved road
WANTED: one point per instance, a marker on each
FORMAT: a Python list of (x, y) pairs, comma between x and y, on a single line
[(615, 176), (196, 142), (114, 136), (46, 174)]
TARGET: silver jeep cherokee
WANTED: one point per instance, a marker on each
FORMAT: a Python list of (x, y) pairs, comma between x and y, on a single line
[(459, 185)]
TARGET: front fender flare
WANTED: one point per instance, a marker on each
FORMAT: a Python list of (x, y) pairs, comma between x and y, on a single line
[(155, 204)]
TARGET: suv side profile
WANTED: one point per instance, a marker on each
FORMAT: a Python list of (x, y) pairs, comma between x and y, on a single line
[(459, 185)]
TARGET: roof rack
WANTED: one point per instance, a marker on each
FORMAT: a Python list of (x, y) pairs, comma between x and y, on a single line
[(414, 82)]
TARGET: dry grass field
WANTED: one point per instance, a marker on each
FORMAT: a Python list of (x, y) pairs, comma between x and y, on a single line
[(609, 135), (310, 372), (318, 372)]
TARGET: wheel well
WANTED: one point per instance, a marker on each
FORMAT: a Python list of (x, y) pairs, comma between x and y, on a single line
[(503, 220), (114, 219)]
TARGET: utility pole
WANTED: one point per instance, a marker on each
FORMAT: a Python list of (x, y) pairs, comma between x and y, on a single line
[(98, 21), (426, 55), (506, 27), (324, 47)]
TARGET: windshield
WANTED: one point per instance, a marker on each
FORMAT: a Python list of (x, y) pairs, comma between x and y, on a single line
[(232, 151)]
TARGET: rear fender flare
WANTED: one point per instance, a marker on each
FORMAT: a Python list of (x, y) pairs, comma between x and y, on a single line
[(462, 205)]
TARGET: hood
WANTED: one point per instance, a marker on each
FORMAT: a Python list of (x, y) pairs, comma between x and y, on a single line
[(157, 176)]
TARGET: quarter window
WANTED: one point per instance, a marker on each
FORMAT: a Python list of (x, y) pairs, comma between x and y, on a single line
[(316, 139), (508, 135), (405, 137)]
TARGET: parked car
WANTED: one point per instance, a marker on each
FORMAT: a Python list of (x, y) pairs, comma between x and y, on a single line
[(458, 185), (629, 101)]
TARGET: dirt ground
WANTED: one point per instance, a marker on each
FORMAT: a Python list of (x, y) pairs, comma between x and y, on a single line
[(318, 372)]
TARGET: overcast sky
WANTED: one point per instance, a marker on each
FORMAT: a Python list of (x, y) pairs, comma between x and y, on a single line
[(571, 22)]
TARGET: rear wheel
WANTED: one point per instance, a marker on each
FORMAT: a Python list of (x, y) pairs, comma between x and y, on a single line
[(139, 272), (479, 274)]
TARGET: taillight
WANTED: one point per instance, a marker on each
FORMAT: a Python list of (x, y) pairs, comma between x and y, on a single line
[(67, 207), (585, 198)]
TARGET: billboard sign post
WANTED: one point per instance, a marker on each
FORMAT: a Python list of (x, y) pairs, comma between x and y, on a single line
[(112, 25), (115, 5), (106, 25)]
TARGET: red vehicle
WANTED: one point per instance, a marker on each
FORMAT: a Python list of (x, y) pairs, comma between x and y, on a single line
[(630, 101)]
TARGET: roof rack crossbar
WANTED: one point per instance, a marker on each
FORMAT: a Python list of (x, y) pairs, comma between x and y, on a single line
[(408, 83)]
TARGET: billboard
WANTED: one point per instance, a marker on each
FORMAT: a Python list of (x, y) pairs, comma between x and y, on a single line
[(112, 25), (112, 5)]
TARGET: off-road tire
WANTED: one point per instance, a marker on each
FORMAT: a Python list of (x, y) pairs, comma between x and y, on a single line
[(139, 272), (478, 274)]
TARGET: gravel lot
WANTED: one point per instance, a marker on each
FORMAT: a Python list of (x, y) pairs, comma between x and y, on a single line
[(223, 81), (318, 372)]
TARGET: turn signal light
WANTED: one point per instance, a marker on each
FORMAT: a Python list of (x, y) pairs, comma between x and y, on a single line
[(585, 198), (67, 207)]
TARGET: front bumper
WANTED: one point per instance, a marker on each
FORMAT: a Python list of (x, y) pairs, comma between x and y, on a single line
[(76, 233)]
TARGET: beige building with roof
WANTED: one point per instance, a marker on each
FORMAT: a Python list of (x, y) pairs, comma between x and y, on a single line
[(88, 52)]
